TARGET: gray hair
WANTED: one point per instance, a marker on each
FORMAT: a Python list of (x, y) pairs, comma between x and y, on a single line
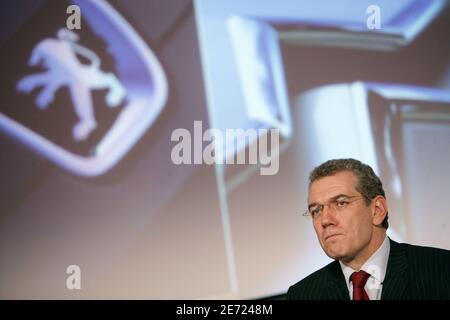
[(369, 185)]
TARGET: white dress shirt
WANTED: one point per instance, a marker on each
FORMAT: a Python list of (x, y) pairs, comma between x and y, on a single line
[(376, 267)]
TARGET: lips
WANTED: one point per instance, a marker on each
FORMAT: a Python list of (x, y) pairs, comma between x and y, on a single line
[(330, 236)]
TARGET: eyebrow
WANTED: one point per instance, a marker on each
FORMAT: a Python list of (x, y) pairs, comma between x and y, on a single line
[(341, 195)]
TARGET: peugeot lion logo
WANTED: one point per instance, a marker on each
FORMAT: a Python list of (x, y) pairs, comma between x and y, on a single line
[(64, 69), (70, 64)]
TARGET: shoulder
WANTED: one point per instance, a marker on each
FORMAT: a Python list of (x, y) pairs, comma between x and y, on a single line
[(427, 270), (425, 260), (314, 285), (419, 254)]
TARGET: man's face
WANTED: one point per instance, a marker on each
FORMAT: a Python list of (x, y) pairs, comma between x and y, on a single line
[(345, 233)]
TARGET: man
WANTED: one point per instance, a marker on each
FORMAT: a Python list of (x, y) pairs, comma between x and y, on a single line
[(349, 212)]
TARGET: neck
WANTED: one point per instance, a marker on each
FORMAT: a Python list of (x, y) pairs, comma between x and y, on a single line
[(358, 261)]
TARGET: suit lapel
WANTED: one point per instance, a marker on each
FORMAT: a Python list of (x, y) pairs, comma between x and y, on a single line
[(336, 286), (396, 278)]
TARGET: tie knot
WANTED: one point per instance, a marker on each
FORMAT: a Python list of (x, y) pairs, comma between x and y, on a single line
[(359, 278)]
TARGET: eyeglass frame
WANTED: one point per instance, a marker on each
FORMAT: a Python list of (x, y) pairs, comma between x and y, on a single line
[(333, 200)]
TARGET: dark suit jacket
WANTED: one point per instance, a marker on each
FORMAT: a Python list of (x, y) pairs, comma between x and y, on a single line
[(412, 272)]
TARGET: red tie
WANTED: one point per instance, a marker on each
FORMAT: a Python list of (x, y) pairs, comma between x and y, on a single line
[(359, 280)]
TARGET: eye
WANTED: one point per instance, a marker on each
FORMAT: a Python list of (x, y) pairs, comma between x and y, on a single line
[(315, 211), (341, 203)]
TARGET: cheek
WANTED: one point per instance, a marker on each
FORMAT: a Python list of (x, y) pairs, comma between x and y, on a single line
[(318, 228), (361, 228)]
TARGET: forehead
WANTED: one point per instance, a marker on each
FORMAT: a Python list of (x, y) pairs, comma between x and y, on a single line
[(343, 182)]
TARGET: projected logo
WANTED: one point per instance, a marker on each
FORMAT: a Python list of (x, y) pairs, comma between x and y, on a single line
[(64, 69), (81, 99)]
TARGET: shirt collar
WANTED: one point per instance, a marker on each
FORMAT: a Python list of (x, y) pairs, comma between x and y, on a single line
[(375, 266)]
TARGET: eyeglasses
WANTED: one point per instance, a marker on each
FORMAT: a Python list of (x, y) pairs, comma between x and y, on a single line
[(338, 203)]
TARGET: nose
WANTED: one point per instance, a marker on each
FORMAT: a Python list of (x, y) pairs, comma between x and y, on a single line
[(328, 217)]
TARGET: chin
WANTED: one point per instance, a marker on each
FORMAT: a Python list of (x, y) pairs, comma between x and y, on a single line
[(334, 252), (334, 255)]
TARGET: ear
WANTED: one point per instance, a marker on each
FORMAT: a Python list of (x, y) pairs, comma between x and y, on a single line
[(379, 210)]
